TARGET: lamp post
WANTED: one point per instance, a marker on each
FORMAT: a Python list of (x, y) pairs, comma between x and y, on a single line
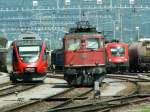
[(35, 3)]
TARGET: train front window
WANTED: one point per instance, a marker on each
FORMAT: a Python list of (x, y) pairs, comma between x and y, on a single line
[(92, 43), (117, 51), (73, 44), (29, 54)]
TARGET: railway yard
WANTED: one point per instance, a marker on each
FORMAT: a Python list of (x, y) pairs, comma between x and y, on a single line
[(54, 95), (74, 56)]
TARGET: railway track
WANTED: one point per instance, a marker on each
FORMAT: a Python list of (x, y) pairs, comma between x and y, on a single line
[(14, 89), (5, 84), (59, 100), (66, 99), (105, 105), (128, 77)]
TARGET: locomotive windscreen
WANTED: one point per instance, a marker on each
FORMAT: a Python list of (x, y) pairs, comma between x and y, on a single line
[(92, 43), (117, 51), (29, 54), (89, 43)]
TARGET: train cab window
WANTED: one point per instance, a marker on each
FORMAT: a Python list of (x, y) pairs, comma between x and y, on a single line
[(29, 54), (73, 44), (92, 43), (117, 51)]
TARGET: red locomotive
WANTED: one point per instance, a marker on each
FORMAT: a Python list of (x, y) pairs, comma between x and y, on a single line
[(29, 59), (84, 55), (117, 57)]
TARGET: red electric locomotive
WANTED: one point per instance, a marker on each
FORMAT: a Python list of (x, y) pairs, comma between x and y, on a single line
[(29, 58), (84, 55), (117, 57)]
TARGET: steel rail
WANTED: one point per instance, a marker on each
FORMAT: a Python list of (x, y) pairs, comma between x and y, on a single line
[(32, 102), (103, 105), (72, 99)]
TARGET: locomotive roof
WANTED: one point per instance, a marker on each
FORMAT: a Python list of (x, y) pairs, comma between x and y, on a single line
[(28, 35), (26, 42), (77, 35), (28, 38), (82, 26)]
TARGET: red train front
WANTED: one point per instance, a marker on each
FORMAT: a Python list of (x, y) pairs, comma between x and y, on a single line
[(29, 59), (117, 57), (84, 56)]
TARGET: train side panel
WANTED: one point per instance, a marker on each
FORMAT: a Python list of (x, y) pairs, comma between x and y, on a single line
[(139, 53), (57, 60)]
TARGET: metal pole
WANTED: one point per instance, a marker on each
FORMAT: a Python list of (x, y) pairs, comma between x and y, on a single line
[(57, 4), (80, 13), (138, 34), (111, 4), (121, 33), (114, 29)]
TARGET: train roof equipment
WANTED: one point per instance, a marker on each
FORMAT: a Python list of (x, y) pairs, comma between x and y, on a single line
[(82, 26), (28, 38)]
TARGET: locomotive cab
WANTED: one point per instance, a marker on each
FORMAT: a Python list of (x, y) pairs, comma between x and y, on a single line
[(117, 57), (84, 56)]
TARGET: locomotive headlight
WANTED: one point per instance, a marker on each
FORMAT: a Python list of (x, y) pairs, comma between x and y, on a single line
[(126, 59), (110, 60)]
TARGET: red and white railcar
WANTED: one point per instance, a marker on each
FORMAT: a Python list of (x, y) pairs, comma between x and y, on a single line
[(29, 59)]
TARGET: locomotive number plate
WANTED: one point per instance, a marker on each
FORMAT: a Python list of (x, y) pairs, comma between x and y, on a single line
[(83, 56), (29, 69)]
